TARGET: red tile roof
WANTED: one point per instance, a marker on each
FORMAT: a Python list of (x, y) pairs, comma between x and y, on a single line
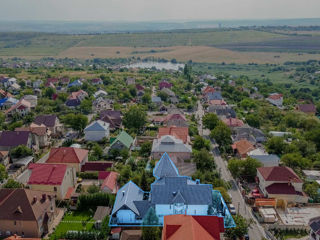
[(75, 95), (282, 188), (103, 175), (96, 166), (208, 89), (69, 193), (67, 155), (111, 182), (186, 227), (279, 174), (47, 174), (275, 96), (178, 132), (233, 122)]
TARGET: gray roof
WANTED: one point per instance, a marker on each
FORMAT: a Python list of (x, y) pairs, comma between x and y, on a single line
[(126, 197), (97, 126), (170, 144), (156, 99), (142, 206), (165, 168), (171, 190), (267, 160)]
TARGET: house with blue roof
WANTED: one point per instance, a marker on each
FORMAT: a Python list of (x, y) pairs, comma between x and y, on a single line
[(76, 83), (97, 130), (170, 194)]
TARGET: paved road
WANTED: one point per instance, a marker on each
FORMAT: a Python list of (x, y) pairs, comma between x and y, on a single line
[(256, 232)]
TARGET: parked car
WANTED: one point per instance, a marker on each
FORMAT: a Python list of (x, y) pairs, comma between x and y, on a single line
[(232, 209)]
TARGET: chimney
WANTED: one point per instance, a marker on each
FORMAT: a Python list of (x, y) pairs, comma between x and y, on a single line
[(174, 193), (44, 197), (34, 199), (123, 193)]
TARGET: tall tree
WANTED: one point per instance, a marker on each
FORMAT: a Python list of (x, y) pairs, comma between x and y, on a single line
[(210, 121), (222, 134), (135, 118), (241, 229)]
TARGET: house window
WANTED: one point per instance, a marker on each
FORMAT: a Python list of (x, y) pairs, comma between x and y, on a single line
[(15, 222), (55, 189)]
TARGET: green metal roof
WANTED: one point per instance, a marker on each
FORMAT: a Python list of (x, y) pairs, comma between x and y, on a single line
[(124, 138)]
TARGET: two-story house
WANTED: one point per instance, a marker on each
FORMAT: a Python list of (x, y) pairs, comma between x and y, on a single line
[(281, 183), (26, 212), (170, 194)]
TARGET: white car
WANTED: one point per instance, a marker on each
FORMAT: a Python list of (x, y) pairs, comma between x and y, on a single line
[(232, 209)]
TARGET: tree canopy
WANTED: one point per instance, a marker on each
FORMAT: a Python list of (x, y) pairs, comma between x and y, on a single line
[(135, 118)]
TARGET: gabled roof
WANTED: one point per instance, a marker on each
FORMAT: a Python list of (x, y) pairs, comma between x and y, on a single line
[(14, 138), (47, 174), (233, 122), (111, 182), (165, 190), (75, 95), (18, 205), (124, 138), (126, 197), (156, 99), (21, 104), (214, 96), (279, 174), (179, 132), (47, 120), (243, 146), (165, 168), (186, 227), (275, 96), (315, 225), (97, 126), (176, 116), (170, 144), (282, 188), (96, 166), (67, 155)]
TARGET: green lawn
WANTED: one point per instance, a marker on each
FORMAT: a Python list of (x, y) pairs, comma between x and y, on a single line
[(78, 221)]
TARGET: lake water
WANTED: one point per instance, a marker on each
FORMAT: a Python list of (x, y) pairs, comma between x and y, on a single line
[(157, 65)]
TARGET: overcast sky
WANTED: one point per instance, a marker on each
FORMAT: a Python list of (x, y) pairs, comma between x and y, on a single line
[(153, 10)]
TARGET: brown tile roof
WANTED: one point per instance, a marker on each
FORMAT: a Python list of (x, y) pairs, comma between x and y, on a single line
[(131, 235), (3, 154), (279, 174), (18, 204), (233, 122), (307, 108), (21, 104), (243, 146), (178, 132), (39, 130), (67, 155)]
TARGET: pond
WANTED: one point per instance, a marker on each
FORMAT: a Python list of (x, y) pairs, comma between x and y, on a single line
[(157, 65)]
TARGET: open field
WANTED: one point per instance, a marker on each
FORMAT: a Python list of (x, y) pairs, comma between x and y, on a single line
[(185, 53), (202, 45)]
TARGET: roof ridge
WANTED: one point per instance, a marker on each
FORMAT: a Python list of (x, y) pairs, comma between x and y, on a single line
[(6, 198)]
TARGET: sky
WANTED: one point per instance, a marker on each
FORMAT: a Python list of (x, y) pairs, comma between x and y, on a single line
[(156, 10)]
